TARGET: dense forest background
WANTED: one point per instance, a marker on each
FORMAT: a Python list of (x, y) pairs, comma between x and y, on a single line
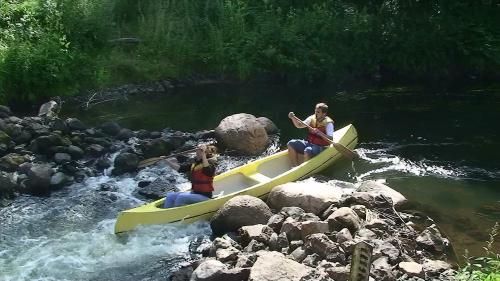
[(58, 47)]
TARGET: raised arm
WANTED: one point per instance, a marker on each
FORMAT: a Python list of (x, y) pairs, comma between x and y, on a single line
[(296, 123)]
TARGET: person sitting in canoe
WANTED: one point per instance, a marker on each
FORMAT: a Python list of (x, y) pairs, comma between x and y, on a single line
[(314, 144), (202, 173)]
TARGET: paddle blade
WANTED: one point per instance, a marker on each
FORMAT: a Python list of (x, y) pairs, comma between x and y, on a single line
[(351, 155), (149, 162)]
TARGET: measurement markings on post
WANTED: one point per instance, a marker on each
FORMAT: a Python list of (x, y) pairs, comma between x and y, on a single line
[(361, 262)]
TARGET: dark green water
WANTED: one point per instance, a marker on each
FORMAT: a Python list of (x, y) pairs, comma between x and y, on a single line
[(438, 149)]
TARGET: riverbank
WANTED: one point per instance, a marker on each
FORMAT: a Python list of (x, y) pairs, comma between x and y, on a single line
[(316, 241)]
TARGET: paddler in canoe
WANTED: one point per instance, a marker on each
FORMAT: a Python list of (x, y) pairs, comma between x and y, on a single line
[(201, 173)]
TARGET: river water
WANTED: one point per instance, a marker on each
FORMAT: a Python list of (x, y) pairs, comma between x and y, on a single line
[(438, 149)]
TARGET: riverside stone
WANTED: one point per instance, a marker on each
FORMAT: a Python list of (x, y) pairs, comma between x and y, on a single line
[(11, 162), (312, 197), (344, 217), (39, 176), (412, 269), (378, 188), (271, 266), (209, 270), (240, 211)]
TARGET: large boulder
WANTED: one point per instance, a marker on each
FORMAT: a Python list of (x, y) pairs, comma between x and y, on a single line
[(240, 211), (270, 127), (312, 197), (244, 133)]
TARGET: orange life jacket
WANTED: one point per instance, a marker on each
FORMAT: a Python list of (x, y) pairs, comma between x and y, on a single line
[(199, 181), (321, 126)]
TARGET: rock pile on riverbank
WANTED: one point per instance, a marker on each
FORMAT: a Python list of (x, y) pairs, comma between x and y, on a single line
[(281, 241), (41, 154)]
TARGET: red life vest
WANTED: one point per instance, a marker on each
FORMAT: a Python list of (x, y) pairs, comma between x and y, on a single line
[(199, 181), (321, 126)]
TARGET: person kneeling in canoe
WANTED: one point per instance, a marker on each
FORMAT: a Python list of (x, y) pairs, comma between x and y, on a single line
[(202, 173), (319, 123)]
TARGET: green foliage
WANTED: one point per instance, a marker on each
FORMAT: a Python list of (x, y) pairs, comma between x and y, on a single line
[(36, 58), (485, 268), (53, 47)]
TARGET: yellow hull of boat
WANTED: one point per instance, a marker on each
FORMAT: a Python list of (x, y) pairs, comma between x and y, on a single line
[(256, 178)]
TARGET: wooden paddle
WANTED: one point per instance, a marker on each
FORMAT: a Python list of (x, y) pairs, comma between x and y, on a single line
[(151, 161), (339, 147)]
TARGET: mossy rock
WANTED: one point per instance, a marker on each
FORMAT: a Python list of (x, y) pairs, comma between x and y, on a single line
[(4, 138)]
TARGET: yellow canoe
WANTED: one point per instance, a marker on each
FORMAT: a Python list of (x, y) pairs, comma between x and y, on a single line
[(256, 178)]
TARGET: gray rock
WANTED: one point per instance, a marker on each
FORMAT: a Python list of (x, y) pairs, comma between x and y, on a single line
[(39, 176), (75, 124), (243, 133), (274, 266), (158, 188), (125, 134), (49, 109), (276, 221), (11, 162), (4, 138), (411, 269), (75, 152), (246, 260), (254, 246), (156, 147), (292, 229), (259, 232), (111, 128), (382, 270), (344, 218), (240, 211), (96, 150), (209, 270), (62, 158), (7, 186), (378, 188), (125, 162), (343, 236), (58, 180), (312, 197), (269, 126), (431, 239), (299, 254), (5, 111)]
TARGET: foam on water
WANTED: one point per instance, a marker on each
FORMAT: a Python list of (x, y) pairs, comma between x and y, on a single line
[(390, 163), (69, 236), (84, 254)]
